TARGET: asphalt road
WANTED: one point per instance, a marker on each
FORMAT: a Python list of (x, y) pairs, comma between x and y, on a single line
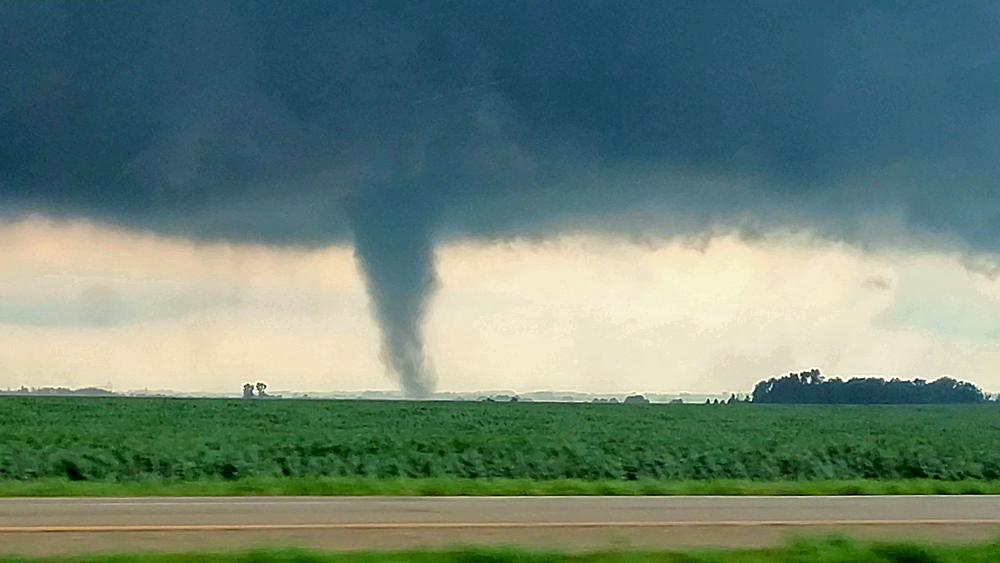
[(49, 526)]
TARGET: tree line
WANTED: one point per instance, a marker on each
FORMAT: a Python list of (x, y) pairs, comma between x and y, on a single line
[(811, 387)]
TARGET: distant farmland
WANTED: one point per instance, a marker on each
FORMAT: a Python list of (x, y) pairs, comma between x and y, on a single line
[(182, 440)]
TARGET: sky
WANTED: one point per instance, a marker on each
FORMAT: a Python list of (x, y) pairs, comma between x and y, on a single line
[(86, 305), (598, 195)]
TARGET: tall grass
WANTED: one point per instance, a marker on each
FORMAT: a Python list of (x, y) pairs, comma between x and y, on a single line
[(811, 551), (450, 486)]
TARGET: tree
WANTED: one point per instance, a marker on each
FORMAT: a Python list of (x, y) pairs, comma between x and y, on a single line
[(260, 389), (247, 391), (812, 388), (636, 400)]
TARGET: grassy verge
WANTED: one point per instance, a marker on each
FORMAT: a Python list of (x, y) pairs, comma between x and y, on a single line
[(813, 551), (355, 486)]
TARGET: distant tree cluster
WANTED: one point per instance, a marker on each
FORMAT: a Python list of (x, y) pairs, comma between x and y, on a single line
[(61, 391), (810, 387), (248, 390)]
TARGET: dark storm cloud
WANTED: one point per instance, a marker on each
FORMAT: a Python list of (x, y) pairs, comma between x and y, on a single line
[(162, 112), (401, 122)]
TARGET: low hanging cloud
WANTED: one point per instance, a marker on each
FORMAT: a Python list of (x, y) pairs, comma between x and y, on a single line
[(401, 124)]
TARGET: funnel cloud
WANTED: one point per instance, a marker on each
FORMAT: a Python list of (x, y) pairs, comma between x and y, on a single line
[(396, 125), (400, 276)]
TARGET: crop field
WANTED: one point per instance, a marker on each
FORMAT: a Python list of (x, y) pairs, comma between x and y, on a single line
[(181, 440)]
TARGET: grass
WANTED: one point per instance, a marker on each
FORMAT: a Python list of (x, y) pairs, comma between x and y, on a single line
[(833, 550), (446, 486)]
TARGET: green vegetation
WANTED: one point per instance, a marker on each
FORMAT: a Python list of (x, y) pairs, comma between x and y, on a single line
[(812, 388), (451, 486), (336, 447), (806, 551)]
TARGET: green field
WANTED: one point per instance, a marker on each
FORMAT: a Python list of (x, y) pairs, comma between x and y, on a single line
[(810, 551), (586, 448)]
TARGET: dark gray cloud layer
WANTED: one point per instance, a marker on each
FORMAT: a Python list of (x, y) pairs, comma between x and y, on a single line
[(399, 122), (160, 112)]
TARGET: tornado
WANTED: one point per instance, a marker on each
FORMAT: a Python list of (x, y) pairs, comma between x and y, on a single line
[(393, 245)]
